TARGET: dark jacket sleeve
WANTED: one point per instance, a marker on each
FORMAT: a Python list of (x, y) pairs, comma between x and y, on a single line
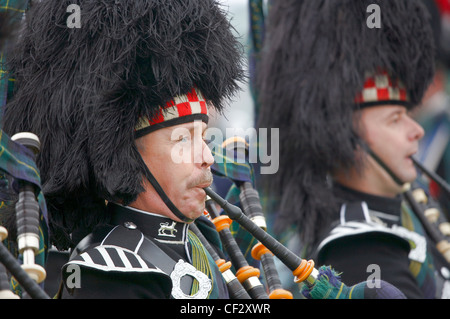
[(97, 284), (111, 272)]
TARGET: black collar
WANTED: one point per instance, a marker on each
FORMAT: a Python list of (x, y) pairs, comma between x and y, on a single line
[(161, 228), (386, 205)]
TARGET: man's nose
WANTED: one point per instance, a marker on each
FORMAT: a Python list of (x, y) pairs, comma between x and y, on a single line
[(417, 131), (202, 154), (207, 157)]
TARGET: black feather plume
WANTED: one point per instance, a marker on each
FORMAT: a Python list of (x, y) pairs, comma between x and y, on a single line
[(316, 56), (82, 90)]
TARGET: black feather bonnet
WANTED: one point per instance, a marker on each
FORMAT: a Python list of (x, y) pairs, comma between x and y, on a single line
[(82, 90), (315, 62)]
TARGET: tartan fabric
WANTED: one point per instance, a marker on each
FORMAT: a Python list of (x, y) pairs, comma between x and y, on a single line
[(14, 5), (17, 8), (188, 105), (329, 286), (228, 166), (16, 164), (380, 88), (15, 161), (423, 272)]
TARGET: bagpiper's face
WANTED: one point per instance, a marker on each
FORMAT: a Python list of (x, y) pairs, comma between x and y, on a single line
[(180, 160), (394, 136)]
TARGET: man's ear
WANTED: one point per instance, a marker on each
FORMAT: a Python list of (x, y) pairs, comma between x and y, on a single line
[(357, 124)]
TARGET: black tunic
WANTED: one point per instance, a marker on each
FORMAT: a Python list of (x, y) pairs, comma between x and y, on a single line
[(367, 232), (134, 256)]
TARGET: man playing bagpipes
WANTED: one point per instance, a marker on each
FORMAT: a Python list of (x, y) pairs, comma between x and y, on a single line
[(339, 78), (120, 106)]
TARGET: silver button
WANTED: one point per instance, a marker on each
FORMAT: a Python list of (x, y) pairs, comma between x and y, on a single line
[(130, 225)]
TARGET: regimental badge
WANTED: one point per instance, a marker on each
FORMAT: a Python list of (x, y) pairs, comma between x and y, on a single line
[(185, 269), (166, 230)]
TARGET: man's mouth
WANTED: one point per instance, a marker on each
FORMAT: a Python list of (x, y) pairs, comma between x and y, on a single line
[(412, 152), (205, 181), (205, 184)]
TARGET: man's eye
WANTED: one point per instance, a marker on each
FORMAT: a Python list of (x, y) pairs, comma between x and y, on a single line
[(183, 139), (396, 118)]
